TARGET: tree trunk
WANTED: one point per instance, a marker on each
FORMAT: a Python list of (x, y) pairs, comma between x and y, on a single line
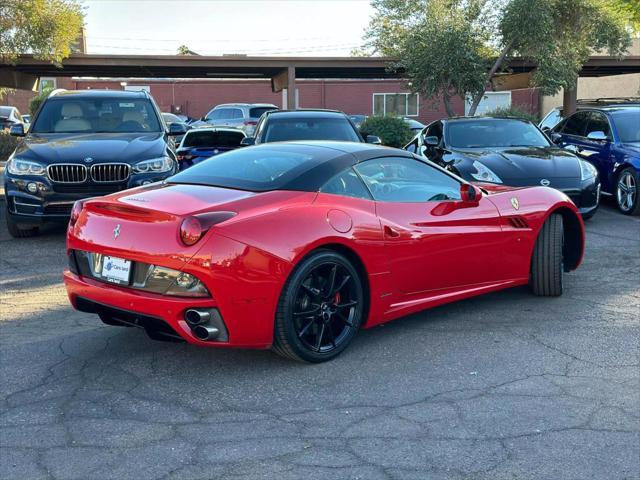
[(496, 65), (447, 104)]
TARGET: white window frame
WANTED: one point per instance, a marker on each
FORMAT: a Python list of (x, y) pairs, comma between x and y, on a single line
[(480, 111), (406, 103), (51, 79)]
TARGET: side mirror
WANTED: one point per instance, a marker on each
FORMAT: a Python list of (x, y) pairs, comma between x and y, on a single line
[(470, 193), (203, 119), (247, 141), (17, 130), (431, 141), (597, 136), (373, 139), (177, 129), (555, 138)]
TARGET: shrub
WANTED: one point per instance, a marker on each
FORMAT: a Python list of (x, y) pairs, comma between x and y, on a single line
[(393, 131), (35, 102), (513, 111), (7, 145)]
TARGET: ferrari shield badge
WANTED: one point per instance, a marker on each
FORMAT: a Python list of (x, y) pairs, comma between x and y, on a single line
[(515, 203)]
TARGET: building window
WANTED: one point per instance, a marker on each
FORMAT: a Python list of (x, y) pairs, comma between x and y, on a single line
[(47, 83), (404, 104)]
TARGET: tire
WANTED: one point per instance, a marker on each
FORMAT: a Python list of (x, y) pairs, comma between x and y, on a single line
[(547, 259), (628, 191), (18, 231), (334, 308)]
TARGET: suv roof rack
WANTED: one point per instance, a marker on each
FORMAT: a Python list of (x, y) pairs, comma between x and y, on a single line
[(56, 92), (608, 100)]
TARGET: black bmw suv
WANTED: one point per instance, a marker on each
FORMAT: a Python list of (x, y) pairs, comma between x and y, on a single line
[(84, 144)]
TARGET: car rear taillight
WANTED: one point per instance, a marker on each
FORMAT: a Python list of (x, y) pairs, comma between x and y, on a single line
[(193, 228), (75, 212), (250, 122), (191, 231)]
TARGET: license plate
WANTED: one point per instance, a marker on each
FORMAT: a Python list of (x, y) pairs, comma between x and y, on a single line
[(116, 270)]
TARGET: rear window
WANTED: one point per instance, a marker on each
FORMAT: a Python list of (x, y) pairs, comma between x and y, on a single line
[(310, 128), (257, 112), (96, 115), (212, 139), (257, 169), (5, 111)]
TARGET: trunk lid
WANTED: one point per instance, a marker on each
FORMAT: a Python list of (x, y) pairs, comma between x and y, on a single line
[(143, 224)]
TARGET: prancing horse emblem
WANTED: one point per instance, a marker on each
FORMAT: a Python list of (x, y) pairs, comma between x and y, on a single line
[(116, 231), (514, 202)]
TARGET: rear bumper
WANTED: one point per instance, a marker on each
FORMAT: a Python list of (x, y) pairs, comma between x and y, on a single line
[(145, 310)]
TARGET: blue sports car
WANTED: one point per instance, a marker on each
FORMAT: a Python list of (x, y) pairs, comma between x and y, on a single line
[(609, 138)]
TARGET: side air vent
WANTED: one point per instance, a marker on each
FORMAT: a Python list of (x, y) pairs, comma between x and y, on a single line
[(518, 222)]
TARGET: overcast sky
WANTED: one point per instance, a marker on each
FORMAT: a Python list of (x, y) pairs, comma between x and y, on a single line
[(215, 27)]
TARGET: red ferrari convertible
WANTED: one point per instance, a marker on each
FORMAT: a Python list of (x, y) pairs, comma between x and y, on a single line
[(296, 246)]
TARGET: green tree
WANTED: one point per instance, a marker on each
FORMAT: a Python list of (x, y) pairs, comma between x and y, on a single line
[(393, 131), (35, 102), (184, 50), (47, 29), (455, 47), (630, 9)]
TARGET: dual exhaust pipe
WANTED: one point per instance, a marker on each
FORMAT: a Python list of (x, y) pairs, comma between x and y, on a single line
[(198, 321)]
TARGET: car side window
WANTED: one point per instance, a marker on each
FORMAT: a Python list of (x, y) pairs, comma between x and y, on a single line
[(598, 123), (576, 124), (407, 180), (348, 184), (434, 130), (215, 114)]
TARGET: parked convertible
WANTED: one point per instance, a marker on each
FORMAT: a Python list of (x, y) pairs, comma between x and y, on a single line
[(298, 245), (508, 151)]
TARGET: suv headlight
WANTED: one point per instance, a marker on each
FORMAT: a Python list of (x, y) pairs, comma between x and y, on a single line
[(484, 173), (16, 166), (587, 170), (155, 165)]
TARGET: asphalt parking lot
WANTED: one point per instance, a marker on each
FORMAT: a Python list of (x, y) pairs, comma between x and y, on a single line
[(505, 386)]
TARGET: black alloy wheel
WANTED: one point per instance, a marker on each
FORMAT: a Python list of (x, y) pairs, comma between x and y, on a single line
[(320, 310)]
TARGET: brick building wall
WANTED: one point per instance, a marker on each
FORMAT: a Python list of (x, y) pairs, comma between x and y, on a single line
[(196, 97)]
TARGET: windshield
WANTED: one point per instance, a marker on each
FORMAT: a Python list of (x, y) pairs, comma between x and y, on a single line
[(5, 111), (309, 128), (263, 168), (207, 138), (499, 132), (552, 119), (96, 115), (627, 124)]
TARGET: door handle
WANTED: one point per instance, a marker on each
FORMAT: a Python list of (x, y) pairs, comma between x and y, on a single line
[(390, 232)]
